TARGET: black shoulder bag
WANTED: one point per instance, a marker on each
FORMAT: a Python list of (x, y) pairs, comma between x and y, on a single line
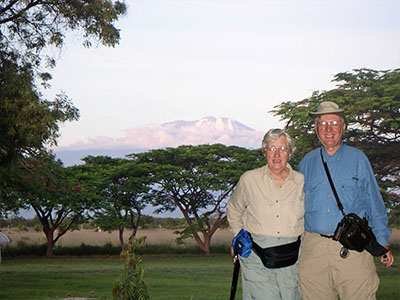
[(353, 232)]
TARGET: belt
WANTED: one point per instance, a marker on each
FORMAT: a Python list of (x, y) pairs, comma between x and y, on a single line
[(326, 236)]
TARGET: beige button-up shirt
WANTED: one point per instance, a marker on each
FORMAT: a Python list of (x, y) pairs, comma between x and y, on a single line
[(260, 206)]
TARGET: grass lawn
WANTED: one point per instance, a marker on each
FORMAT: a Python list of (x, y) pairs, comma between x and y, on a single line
[(168, 277)]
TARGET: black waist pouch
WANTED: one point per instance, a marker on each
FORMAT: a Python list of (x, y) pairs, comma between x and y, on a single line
[(279, 256)]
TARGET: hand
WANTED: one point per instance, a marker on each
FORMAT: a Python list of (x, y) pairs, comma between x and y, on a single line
[(234, 257), (388, 258)]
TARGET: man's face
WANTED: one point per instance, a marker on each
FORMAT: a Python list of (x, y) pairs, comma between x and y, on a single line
[(330, 129)]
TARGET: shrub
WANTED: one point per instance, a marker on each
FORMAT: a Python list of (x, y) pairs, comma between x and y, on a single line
[(85, 250), (24, 249), (130, 284)]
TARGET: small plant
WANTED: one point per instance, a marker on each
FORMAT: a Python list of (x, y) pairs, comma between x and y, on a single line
[(130, 283)]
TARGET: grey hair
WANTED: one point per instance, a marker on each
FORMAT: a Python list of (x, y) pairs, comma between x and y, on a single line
[(276, 133)]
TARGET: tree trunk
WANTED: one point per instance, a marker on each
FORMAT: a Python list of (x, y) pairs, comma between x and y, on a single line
[(50, 243), (207, 243), (121, 237), (205, 246)]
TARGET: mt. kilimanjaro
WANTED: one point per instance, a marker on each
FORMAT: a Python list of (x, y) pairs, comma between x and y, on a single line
[(208, 130)]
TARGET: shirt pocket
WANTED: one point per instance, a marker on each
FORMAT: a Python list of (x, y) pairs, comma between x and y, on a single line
[(293, 210), (349, 188), (313, 193)]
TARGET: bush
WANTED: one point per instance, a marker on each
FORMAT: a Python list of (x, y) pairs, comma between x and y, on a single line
[(85, 250), (24, 249), (130, 284)]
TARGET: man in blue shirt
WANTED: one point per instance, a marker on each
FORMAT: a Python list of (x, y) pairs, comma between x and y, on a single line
[(325, 271)]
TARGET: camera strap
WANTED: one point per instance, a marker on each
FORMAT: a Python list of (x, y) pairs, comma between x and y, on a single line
[(373, 246), (339, 204)]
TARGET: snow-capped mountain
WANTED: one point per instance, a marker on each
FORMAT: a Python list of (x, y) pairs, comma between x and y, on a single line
[(208, 130)]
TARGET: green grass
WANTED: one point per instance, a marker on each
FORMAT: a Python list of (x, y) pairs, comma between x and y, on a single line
[(189, 277), (170, 276), (53, 278)]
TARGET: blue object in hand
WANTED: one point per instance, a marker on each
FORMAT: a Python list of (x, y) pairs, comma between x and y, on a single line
[(242, 243)]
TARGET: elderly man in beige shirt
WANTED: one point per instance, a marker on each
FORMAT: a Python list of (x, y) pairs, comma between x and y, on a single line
[(268, 202)]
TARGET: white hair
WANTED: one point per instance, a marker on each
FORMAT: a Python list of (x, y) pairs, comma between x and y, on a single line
[(276, 133)]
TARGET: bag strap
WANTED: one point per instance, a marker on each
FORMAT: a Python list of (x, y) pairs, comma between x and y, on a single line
[(339, 204)]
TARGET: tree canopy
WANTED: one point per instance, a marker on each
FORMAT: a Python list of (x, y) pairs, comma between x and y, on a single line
[(28, 27), (53, 192), (29, 121), (121, 187), (197, 181), (371, 100)]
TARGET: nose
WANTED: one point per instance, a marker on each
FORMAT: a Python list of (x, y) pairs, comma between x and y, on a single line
[(277, 153)]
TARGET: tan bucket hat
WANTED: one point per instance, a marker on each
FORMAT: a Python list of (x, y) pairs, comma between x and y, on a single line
[(327, 107)]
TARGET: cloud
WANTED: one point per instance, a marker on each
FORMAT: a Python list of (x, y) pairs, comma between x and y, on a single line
[(208, 130)]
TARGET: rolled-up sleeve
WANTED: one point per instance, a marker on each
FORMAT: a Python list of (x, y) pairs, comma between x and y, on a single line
[(236, 208), (378, 219)]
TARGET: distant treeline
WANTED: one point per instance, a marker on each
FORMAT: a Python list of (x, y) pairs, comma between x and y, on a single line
[(146, 222)]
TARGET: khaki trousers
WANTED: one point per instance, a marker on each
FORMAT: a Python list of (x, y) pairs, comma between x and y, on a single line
[(324, 275)]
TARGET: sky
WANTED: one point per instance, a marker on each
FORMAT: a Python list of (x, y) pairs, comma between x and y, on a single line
[(189, 59)]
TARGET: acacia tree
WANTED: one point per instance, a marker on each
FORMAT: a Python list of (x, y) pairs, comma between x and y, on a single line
[(122, 186), (197, 180), (371, 100), (54, 193)]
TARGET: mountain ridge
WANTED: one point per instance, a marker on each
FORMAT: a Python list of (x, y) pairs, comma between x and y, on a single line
[(207, 130)]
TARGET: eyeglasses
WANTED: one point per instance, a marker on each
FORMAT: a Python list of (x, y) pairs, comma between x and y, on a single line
[(273, 149), (334, 124)]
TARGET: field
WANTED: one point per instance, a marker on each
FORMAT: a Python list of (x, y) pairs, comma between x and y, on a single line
[(169, 277), (158, 236)]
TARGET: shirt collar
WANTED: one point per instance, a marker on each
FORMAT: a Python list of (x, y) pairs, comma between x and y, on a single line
[(267, 173), (336, 156)]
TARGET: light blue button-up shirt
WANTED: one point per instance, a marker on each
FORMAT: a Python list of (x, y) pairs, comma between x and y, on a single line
[(355, 184)]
